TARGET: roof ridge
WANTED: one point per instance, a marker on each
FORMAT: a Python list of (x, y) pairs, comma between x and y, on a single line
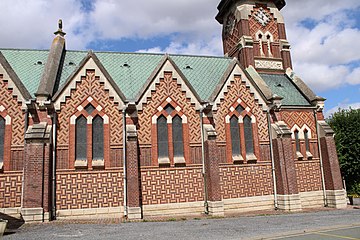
[(25, 49)]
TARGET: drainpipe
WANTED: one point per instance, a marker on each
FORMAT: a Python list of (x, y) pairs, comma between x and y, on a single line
[(272, 161), (321, 160), (206, 205), (124, 161), (22, 179), (53, 173)]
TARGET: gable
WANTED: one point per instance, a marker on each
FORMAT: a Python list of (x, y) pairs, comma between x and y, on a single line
[(71, 83), (168, 66)]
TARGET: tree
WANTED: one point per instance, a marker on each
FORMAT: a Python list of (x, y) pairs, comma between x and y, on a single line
[(346, 124)]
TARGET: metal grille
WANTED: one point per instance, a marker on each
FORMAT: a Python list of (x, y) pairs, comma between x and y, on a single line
[(98, 138), (2, 137), (249, 140), (81, 137), (235, 136), (162, 136), (178, 136)]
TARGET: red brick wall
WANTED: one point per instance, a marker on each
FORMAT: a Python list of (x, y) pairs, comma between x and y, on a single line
[(90, 86), (246, 180), (10, 189), (308, 175), (172, 185), (94, 189)]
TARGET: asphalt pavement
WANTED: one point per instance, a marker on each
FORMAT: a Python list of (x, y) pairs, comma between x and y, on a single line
[(323, 224)]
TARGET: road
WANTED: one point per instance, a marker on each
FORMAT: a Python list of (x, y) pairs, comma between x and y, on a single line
[(322, 223)]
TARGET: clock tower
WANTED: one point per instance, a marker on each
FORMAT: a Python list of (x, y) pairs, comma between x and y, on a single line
[(254, 32)]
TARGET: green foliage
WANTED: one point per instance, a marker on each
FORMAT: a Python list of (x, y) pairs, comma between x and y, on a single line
[(346, 124)]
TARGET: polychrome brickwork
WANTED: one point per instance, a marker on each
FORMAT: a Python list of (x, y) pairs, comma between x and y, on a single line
[(168, 87), (95, 189), (237, 90), (90, 86), (172, 185), (10, 190), (271, 27), (308, 175), (239, 181)]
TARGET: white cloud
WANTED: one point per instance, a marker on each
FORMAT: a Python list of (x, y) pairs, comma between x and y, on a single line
[(355, 105), (354, 77)]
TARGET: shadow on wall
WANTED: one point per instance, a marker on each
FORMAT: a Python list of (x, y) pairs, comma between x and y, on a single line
[(13, 223)]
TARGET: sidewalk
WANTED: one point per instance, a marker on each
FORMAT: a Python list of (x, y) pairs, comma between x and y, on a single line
[(251, 226)]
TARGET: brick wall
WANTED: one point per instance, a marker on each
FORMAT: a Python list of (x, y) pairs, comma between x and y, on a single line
[(246, 180), (95, 189), (172, 185), (10, 190), (308, 176)]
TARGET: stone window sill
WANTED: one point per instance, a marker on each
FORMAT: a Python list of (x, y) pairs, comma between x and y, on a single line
[(251, 158), (164, 161), (179, 160), (309, 155), (299, 155), (237, 159), (81, 163), (98, 163)]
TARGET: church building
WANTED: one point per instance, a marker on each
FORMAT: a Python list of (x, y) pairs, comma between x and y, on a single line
[(88, 134)]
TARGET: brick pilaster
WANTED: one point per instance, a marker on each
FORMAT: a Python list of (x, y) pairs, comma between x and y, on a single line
[(36, 196), (288, 193), (212, 173), (132, 171), (333, 180)]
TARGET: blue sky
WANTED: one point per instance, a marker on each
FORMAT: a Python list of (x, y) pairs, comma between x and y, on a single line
[(324, 34)]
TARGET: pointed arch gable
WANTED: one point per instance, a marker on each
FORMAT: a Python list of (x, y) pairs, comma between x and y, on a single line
[(224, 85), (93, 63), (167, 65)]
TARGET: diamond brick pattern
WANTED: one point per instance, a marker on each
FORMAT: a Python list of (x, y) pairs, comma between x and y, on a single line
[(168, 87), (90, 87), (77, 190), (300, 119), (256, 26), (162, 186), (245, 181), (308, 176), (10, 190), (13, 108), (238, 90)]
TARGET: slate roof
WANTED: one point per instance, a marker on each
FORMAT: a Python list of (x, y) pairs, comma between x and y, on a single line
[(131, 71), (282, 86)]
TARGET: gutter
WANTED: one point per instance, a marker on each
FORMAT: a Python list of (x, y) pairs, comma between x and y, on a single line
[(206, 205), (22, 179), (124, 161), (53, 173)]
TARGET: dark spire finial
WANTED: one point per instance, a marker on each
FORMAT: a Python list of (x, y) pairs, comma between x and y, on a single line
[(60, 31)]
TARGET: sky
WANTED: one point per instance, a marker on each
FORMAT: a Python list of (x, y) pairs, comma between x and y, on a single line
[(324, 34)]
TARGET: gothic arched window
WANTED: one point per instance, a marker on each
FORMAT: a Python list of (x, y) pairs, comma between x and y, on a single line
[(235, 137), (98, 138), (177, 132), (248, 131), (162, 137), (81, 138), (2, 139)]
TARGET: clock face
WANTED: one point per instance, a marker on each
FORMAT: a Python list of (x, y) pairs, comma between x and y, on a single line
[(262, 17)]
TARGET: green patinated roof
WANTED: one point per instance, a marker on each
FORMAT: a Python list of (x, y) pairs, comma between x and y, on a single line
[(129, 71), (28, 65), (71, 62), (283, 86), (203, 73)]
